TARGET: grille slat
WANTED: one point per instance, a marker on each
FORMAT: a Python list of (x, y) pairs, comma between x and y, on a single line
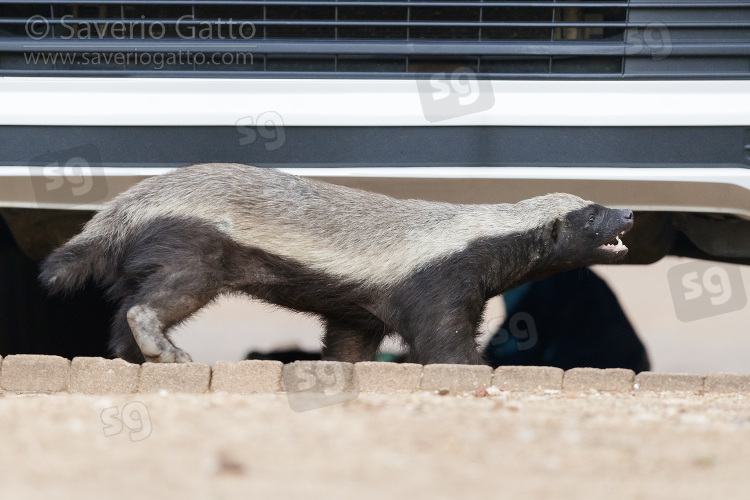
[(364, 49), (556, 39), (643, 24)]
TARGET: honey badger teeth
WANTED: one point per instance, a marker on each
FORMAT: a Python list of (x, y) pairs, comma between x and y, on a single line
[(619, 244)]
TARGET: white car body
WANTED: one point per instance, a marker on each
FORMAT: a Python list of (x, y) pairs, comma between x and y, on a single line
[(187, 102)]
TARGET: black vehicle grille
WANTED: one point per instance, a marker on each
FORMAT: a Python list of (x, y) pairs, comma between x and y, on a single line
[(557, 39)]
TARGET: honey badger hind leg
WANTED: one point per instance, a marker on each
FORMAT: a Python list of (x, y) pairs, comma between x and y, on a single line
[(122, 343), (164, 301), (353, 337), (148, 331), (169, 269)]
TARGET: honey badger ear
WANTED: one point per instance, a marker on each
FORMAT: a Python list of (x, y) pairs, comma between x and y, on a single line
[(555, 230)]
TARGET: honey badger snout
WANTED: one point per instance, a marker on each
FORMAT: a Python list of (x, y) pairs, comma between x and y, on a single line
[(626, 220), (614, 225)]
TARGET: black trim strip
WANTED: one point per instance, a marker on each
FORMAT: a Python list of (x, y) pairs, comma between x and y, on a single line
[(117, 146)]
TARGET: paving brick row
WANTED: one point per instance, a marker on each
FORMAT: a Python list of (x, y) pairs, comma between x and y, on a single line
[(727, 382), (34, 373), (174, 377), (661, 382), (608, 379), (456, 379), (22, 373), (374, 376), (527, 378), (247, 377), (103, 376)]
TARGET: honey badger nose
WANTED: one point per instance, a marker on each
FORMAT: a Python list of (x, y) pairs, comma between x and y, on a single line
[(627, 218)]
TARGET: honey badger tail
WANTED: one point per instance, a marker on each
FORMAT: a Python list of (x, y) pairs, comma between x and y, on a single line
[(70, 266)]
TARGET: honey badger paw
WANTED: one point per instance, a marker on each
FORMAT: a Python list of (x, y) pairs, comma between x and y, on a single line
[(173, 355), (149, 335)]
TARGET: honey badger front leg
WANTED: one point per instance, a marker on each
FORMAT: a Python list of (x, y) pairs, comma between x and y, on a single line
[(446, 339), (353, 338), (441, 327)]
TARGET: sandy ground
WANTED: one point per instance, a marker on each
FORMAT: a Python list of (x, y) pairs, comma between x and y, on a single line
[(554, 445), (721, 343)]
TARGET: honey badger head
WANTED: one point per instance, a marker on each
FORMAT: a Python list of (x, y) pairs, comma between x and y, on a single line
[(590, 234)]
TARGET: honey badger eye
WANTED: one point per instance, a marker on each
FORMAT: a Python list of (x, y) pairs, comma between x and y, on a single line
[(591, 219)]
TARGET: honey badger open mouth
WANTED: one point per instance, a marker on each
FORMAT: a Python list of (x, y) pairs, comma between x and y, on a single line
[(615, 245)]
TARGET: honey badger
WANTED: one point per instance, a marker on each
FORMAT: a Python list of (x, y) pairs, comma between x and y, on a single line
[(368, 264)]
